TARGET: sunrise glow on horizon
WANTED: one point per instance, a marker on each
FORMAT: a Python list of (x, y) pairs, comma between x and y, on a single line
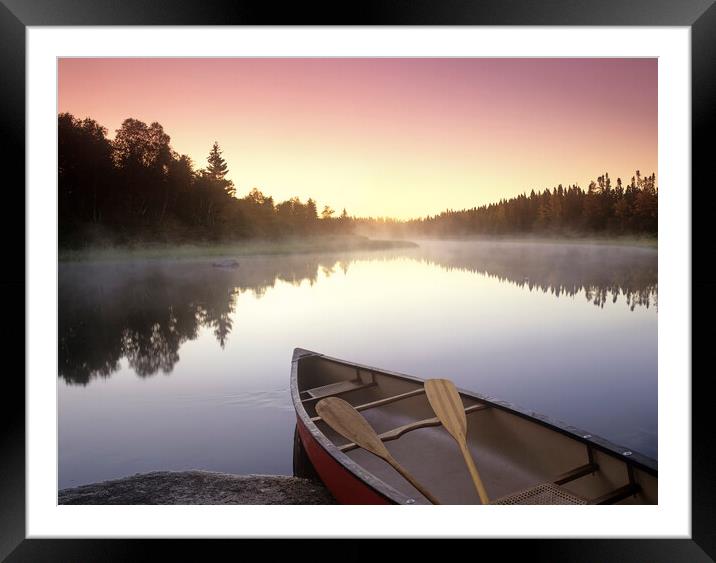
[(387, 137)]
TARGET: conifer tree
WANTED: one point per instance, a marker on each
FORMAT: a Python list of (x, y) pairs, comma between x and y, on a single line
[(217, 168)]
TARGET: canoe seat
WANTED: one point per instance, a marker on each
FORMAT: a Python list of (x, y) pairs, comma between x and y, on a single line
[(336, 388), (546, 493)]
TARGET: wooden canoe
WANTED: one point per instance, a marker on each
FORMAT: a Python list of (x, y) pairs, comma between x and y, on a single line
[(523, 457)]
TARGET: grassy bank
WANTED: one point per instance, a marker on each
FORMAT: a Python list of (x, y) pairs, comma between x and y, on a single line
[(146, 251)]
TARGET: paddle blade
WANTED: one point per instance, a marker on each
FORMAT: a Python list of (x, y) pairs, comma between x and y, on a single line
[(349, 423), (448, 407)]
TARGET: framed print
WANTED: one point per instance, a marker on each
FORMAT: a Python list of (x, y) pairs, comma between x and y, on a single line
[(279, 258)]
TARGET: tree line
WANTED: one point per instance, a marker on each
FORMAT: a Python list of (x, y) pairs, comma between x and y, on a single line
[(137, 187), (602, 209)]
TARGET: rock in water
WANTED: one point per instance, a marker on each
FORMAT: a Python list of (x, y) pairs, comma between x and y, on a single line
[(226, 264)]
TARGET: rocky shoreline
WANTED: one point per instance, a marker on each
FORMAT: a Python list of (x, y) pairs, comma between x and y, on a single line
[(199, 487)]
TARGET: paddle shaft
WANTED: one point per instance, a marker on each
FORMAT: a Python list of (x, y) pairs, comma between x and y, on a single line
[(400, 469), (473, 472)]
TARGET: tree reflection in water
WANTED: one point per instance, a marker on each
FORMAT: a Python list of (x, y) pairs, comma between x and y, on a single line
[(144, 312), (602, 272), (110, 311)]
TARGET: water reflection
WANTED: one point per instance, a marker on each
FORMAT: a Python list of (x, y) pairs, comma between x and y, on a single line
[(143, 313), (602, 273)]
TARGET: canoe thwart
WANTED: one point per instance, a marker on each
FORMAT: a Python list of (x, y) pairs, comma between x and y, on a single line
[(335, 389), (381, 402), (575, 473), (396, 433), (616, 495)]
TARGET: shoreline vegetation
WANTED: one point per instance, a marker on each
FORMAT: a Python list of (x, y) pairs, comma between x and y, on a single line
[(607, 240), (236, 249), (311, 245), (135, 191)]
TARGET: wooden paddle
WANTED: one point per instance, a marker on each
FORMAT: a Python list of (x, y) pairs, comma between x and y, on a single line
[(348, 422), (448, 407)]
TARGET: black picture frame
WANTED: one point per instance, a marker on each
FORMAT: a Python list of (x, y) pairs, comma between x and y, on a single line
[(17, 15)]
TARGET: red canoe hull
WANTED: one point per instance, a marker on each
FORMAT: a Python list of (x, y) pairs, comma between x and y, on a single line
[(345, 487)]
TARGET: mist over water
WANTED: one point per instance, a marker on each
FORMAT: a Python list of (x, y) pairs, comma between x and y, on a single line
[(182, 365)]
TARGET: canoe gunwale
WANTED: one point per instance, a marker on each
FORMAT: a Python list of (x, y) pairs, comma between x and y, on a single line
[(632, 458)]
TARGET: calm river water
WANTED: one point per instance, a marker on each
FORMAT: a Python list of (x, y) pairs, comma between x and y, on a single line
[(182, 365)]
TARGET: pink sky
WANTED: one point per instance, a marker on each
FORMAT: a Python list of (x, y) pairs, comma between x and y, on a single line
[(386, 137)]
